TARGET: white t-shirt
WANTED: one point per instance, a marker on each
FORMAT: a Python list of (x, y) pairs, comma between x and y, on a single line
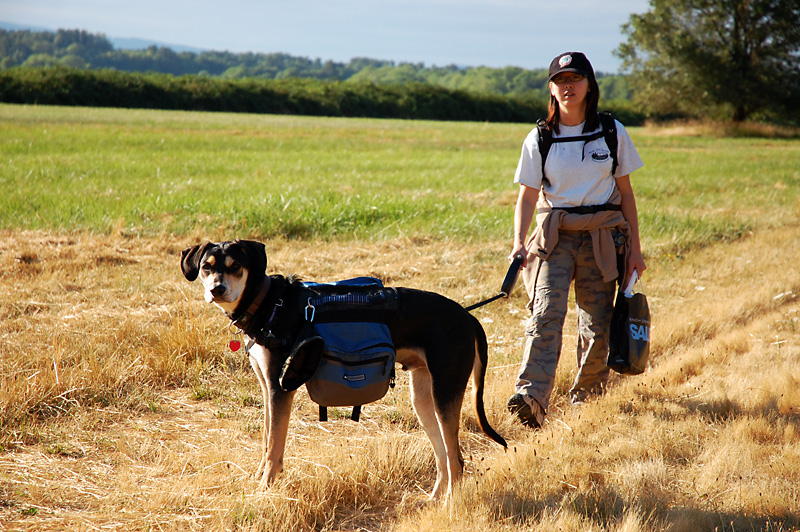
[(578, 173)]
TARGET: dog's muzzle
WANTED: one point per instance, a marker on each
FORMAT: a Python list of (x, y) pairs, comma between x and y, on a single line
[(217, 291)]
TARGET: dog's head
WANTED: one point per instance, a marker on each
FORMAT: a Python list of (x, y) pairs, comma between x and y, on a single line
[(228, 270)]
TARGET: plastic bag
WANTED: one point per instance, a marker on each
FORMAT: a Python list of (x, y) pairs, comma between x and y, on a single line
[(629, 341)]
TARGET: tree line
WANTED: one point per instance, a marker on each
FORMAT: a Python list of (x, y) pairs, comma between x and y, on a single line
[(111, 88), (83, 50)]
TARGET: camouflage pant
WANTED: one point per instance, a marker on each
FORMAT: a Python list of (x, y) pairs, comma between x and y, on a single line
[(572, 258)]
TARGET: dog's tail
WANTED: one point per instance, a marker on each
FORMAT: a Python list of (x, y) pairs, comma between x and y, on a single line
[(478, 377)]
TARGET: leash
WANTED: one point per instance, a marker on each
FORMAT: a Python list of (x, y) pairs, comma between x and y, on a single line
[(486, 301), (508, 283)]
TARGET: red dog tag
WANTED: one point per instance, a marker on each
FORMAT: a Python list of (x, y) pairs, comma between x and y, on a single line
[(235, 345)]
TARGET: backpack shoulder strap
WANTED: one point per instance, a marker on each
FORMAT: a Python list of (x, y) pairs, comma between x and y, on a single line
[(610, 133), (545, 141)]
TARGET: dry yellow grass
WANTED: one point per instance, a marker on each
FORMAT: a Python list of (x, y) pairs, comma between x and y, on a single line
[(121, 409), (707, 128)]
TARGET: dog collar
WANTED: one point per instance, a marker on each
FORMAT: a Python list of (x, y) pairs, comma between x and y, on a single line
[(243, 321)]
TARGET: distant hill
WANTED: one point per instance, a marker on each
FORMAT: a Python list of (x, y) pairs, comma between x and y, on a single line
[(132, 43), (10, 26), (120, 43)]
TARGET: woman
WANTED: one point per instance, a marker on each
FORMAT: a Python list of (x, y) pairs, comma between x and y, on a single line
[(586, 220)]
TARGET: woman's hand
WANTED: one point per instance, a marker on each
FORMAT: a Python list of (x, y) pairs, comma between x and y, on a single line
[(635, 262), (519, 250)]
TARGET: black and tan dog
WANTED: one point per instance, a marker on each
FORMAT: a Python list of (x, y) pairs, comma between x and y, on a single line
[(437, 340)]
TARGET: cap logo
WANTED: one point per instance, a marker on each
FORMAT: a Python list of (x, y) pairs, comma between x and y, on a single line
[(564, 61)]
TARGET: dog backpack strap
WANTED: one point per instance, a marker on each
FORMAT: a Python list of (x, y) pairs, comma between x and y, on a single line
[(355, 415)]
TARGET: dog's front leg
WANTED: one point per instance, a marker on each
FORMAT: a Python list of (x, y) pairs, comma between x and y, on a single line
[(258, 361), (277, 410), (280, 410)]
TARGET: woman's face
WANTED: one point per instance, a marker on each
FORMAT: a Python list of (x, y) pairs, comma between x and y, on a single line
[(569, 90)]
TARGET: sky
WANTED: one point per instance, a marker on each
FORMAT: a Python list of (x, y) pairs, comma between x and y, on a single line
[(493, 33)]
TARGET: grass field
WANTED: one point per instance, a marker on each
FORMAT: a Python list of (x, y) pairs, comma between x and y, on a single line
[(122, 409)]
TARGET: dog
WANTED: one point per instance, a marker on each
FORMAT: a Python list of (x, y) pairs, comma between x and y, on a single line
[(440, 343)]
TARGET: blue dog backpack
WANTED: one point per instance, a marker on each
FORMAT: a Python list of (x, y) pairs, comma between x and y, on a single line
[(346, 343), (357, 365)]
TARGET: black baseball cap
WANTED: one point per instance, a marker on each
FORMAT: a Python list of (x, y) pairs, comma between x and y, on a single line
[(571, 62)]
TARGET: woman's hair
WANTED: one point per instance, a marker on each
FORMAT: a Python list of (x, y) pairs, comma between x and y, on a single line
[(592, 100)]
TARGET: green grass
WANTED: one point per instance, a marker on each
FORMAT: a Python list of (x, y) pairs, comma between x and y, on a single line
[(234, 175), (695, 191), (147, 172)]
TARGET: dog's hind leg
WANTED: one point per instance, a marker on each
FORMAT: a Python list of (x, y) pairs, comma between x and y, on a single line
[(422, 400), (448, 416), (449, 421)]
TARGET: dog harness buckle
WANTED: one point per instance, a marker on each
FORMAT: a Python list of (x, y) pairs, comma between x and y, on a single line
[(278, 305), (313, 310)]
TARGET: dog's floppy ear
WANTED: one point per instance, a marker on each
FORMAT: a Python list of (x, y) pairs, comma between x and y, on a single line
[(256, 252), (190, 260)]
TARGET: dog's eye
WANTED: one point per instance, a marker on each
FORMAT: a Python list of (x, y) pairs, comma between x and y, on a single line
[(206, 267), (235, 267)]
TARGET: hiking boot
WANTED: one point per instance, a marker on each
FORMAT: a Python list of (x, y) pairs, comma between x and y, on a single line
[(527, 409), (582, 396)]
